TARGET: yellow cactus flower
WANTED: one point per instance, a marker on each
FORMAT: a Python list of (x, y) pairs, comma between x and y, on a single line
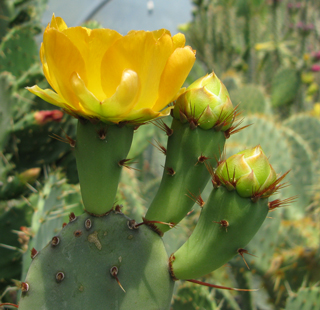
[(102, 74)]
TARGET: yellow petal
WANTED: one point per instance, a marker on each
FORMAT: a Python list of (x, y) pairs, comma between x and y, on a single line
[(63, 58), (142, 115), (48, 95), (92, 47), (178, 94), (176, 71), (157, 34), (140, 52), (179, 40), (124, 99), (90, 105), (58, 23)]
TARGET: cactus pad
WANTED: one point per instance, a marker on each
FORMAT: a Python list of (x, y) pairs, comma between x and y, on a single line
[(100, 257)]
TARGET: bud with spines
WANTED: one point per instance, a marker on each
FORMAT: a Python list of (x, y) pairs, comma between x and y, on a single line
[(233, 213), (206, 102), (248, 172)]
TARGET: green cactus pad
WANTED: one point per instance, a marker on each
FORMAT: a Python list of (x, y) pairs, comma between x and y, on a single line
[(18, 50), (5, 108), (75, 273), (190, 297), (180, 186), (213, 244), (307, 127), (52, 206), (34, 144), (305, 299), (99, 150), (285, 86), (250, 98)]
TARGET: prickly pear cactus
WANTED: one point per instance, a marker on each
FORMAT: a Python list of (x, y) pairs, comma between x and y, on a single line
[(130, 265), (103, 259)]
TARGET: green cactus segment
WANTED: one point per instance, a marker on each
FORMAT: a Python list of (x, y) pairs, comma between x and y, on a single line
[(213, 242), (99, 151), (18, 50), (251, 99), (190, 297), (34, 144), (5, 108), (306, 126), (285, 86), (305, 299), (184, 177), (207, 101), (52, 206), (75, 272), (12, 220)]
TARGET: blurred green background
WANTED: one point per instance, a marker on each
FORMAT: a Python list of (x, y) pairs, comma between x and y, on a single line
[(267, 52)]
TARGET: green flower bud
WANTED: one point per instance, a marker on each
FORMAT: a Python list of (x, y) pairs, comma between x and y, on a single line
[(249, 172), (206, 102)]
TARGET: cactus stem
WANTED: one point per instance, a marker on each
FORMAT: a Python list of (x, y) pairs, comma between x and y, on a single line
[(55, 241), (163, 126), (117, 209), (183, 117), (125, 163), (67, 139), (190, 212), (60, 276), (202, 159), (72, 217), (197, 199), (214, 178), (170, 171), (132, 224), (34, 253), (223, 223), (77, 233), (281, 202), (146, 222), (154, 227), (221, 287), (171, 260), (9, 304), (234, 129), (160, 147), (24, 287), (244, 251), (114, 272), (193, 124), (87, 224), (102, 133)]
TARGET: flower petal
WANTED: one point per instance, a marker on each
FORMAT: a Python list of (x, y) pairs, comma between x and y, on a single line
[(58, 23), (124, 99), (92, 47), (48, 95), (179, 40), (142, 53), (90, 105), (176, 71), (63, 58)]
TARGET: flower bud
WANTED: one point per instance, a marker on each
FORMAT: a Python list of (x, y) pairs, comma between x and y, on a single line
[(249, 172), (206, 103)]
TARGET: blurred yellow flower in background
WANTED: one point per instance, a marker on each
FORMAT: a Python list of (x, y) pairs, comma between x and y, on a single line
[(102, 74)]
